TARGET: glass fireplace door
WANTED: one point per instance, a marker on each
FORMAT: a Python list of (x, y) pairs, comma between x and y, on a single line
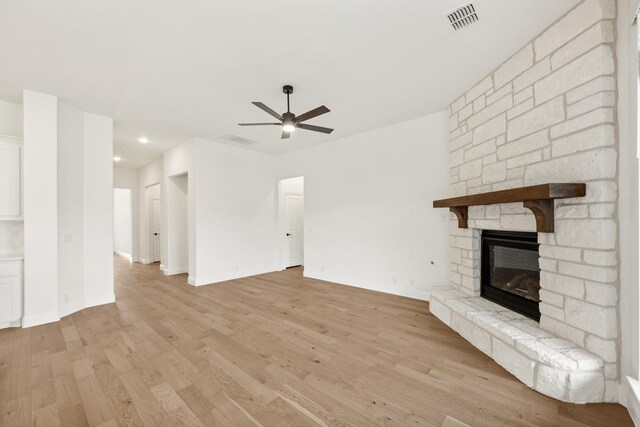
[(510, 271)]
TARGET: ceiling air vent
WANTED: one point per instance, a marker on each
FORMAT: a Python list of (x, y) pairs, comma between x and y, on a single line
[(463, 17), (237, 139)]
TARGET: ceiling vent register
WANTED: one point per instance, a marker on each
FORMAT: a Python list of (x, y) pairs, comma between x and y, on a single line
[(463, 17), (236, 139)]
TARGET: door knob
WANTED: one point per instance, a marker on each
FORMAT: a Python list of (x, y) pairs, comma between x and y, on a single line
[(288, 234), (155, 234)]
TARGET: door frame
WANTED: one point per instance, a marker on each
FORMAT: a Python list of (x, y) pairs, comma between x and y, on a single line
[(281, 238)]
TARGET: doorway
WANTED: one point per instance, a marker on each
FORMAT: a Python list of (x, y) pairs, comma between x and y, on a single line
[(122, 222), (291, 195), (153, 224)]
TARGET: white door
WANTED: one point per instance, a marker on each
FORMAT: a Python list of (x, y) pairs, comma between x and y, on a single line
[(294, 227), (156, 229)]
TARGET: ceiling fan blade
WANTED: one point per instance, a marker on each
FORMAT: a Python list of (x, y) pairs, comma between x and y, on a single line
[(314, 128), (285, 135), (268, 110), (313, 113), (259, 124)]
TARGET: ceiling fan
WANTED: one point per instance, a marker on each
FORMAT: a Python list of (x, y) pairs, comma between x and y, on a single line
[(290, 121)]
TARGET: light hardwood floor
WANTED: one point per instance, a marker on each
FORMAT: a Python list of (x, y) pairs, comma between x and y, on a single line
[(275, 349)]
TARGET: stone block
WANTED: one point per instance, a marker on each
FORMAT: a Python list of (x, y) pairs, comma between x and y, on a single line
[(600, 84), (458, 105), (456, 158), (586, 387), (524, 145), (602, 258), (518, 222), (571, 211), (562, 253), (552, 382), (602, 210), (520, 109), (461, 141), (525, 159), (552, 311), (564, 285), (601, 32), (601, 294), (499, 94), (572, 24), (588, 272), (598, 320), (563, 330), (523, 95), (539, 118), (580, 167), (602, 348), (479, 103), (520, 366), (479, 89), (440, 311), (494, 173), (601, 191), (490, 111), (590, 103), (490, 129), (600, 136), (586, 233), (551, 298), (465, 112), (532, 75), (592, 118), (471, 170), (514, 66), (480, 150), (594, 63)]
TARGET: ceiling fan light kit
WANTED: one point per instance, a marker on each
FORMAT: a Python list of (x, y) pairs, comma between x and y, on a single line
[(290, 121)]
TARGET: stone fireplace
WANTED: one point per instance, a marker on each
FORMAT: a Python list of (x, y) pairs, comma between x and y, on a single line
[(548, 114)]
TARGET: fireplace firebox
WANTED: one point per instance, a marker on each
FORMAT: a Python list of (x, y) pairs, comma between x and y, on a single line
[(510, 271)]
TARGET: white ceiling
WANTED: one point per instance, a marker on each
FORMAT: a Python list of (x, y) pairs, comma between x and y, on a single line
[(171, 70)]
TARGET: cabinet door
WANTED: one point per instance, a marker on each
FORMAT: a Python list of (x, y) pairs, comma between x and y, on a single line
[(10, 298), (10, 181)]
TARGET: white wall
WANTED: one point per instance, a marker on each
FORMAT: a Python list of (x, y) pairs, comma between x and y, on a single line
[(124, 178), (10, 119), (40, 193), (70, 209), (368, 215), (122, 222), (178, 255), (369, 220), (236, 195), (98, 210), (149, 186), (11, 232)]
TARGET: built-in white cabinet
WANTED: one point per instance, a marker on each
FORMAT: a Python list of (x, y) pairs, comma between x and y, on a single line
[(10, 292), (10, 178)]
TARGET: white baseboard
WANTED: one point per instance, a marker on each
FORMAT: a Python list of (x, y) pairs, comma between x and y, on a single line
[(232, 276), (378, 287), (123, 254), (172, 271), (145, 261), (16, 324), (40, 319), (632, 399), (162, 268), (99, 300), (70, 308)]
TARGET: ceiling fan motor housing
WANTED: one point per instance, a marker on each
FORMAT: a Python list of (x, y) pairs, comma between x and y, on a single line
[(288, 89)]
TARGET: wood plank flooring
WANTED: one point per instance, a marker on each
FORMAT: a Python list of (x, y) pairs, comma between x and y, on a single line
[(270, 350)]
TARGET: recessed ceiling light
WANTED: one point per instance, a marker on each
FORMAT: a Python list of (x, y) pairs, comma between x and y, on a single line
[(143, 140), (116, 159)]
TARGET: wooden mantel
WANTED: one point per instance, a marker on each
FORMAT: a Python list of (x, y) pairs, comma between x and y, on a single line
[(538, 198)]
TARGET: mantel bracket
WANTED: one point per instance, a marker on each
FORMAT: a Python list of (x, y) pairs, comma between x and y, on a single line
[(543, 210), (462, 212)]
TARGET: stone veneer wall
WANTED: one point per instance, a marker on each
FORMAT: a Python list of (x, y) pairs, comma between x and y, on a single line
[(548, 115)]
